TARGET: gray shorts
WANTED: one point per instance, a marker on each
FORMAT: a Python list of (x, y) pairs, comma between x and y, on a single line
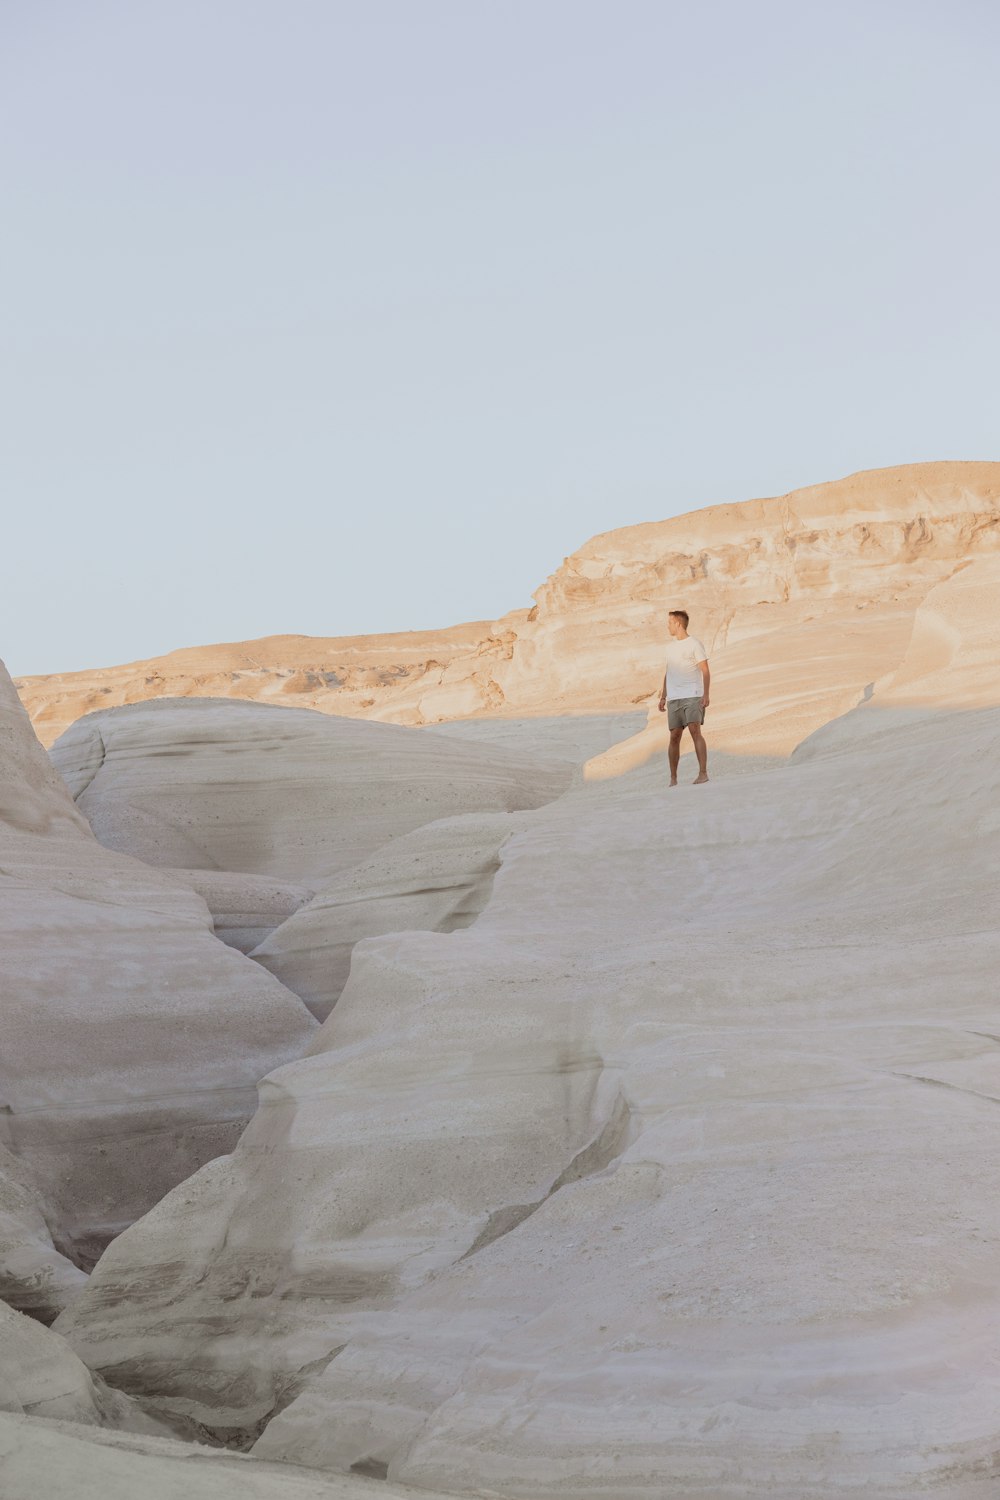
[(683, 711)]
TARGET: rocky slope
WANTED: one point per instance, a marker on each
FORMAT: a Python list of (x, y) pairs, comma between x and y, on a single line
[(215, 785), (673, 1172), (64, 1460), (132, 1039), (256, 808), (34, 1277), (41, 1376), (840, 566)]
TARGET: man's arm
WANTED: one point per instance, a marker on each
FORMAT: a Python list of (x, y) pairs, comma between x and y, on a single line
[(663, 695), (706, 678)]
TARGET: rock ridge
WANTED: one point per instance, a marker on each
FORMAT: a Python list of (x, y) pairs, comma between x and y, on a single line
[(877, 540)]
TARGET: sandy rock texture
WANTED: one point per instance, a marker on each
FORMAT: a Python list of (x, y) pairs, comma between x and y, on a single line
[(132, 1039), (951, 659), (671, 1174), (290, 670), (949, 668), (246, 908), (832, 574), (437, 878), (646, 1146), (577, 736), (297, 796), (257, 808), (34, 1277), (75, 1462), (41, 1376)]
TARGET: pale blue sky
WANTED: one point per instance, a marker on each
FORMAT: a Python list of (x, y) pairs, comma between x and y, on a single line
[(345, 317)]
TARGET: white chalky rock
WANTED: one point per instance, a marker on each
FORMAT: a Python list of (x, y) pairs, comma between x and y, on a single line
[(674, 1173), (205, 784), (437, 878), (247, 908), (133, 1039), (44, 1459), (34, 1277), (41, 1376)]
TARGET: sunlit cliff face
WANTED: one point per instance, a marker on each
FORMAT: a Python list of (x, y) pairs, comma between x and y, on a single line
[(852, 558)]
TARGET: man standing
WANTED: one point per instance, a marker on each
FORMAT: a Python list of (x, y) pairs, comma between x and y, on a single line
[(685, 689)]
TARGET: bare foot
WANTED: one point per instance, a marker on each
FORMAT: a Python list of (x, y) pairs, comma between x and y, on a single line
[(698, 780), (674, 782)]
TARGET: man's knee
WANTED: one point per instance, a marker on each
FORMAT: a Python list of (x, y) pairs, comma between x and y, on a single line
[(675, 735), (695, 731)]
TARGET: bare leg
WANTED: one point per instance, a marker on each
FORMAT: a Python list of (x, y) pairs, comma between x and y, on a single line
[(701, 750), (674, 753)]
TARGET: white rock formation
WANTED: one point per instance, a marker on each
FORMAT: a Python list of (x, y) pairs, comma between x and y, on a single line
[(673, 1174), (34, 1277), (42, 1459), (132, 1038), (41, 1376), (247, 908), (290, 794), (863, 550), (577, 736), (437, 879)]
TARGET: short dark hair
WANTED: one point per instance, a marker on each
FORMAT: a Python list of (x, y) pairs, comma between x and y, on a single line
[(680, 614)]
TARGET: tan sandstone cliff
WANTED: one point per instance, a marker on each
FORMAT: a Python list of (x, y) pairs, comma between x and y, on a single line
[(839, 568)]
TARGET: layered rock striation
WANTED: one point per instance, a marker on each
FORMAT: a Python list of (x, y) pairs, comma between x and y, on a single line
[(34, 1277), (438, 878), (132, 1039), (299, 796), (854, 555), (40, 1376), (648, 1147), (65, 1460), (673, 1172), (257, 809)]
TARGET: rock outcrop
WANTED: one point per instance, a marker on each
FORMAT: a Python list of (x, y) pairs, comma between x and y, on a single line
[(863, 550), (43, 1459), (34, 1277), (436, 879), (648, 1148), (132, 1039), (247, 908), (41, 1376), (293, 795), (672, 1173), (947, 672)]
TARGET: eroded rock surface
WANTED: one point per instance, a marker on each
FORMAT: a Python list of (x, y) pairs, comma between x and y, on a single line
[(394, 1148), (293, 795), (40, 1376), (34, 1277), (66, 1461), (854, 554), (247, 908), (436, 879), (673, 1172), (132, 1039)]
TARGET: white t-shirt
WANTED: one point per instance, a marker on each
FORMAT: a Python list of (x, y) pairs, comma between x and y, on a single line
[(683, 677)]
